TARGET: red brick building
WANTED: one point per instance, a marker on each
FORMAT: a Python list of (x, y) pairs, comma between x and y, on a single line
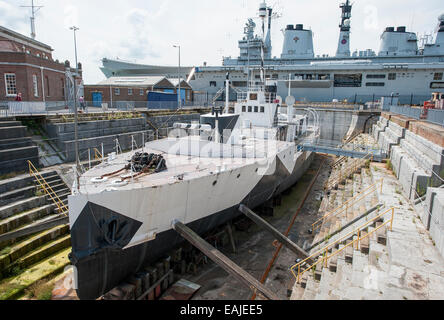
[(27, 67)]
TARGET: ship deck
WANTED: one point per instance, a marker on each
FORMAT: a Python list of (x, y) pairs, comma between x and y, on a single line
[(186, 158)]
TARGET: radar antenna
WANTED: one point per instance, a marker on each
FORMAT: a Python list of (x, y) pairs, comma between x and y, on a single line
[(34, 10)]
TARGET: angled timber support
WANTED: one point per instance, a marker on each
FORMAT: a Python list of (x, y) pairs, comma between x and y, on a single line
[(268, 227), (223, 261)]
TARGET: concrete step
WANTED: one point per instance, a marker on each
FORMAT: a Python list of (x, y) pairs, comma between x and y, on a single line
[(16, 195), (56, 186), (364, 243), (21, 206), (14, 287), (381, 234), (311, 288), (22, 248), (13, 132), (24, 218), (6, 144), (21, 182), (4, 124)]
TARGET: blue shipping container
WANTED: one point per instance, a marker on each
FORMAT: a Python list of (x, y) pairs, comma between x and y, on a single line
[(162, 100)]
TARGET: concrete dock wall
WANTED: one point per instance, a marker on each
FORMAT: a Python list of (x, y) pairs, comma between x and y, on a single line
[(93, 134), (433, 217), (417, 161)]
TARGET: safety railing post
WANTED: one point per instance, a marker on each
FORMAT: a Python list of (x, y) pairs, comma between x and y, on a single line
[(393, 217), (357, 241)]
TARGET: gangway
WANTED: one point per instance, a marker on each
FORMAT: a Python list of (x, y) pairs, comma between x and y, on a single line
[(377, 154)]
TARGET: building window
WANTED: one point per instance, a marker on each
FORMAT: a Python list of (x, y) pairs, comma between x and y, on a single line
[(48, 92), (239, 84), (250, 109), (35, 85), (11, 85), (437, 76), (141, 92), (256, 109), (63, 87), (130, 92), (375, 84), (117, 91), (253, 96), (376, 76), (262, 109), (212, 83), (392, 76), (244, 109)]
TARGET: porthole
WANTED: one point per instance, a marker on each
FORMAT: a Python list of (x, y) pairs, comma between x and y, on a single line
[(238, 176), (214, 183)]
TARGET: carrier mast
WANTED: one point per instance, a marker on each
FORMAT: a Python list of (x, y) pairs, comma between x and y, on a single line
[(344, 36)]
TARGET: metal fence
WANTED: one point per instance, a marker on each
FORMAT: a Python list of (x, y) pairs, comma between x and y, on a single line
[(436, 117), (414, 113), (11, 108)]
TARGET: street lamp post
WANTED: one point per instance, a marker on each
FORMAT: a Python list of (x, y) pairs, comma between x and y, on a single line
[(179, 93), (76, 142)]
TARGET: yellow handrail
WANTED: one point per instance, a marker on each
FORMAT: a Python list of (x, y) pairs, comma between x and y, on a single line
[(325, 251), (97, 154), (348, 204), (47, 188)]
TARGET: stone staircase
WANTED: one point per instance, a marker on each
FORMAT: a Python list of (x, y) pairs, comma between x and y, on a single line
[(27, 260), (399, 263), (15, 147)]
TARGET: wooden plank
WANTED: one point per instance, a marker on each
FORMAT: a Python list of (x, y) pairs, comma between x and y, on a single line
[(268, 227), (222, 260)]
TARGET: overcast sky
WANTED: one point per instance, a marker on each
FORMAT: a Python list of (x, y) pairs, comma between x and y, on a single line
[(145, 30)]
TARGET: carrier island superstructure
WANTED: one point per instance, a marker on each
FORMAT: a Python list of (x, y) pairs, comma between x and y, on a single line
[(404, 65)]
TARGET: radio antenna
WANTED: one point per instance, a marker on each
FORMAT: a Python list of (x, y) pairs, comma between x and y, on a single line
[(34, 10)]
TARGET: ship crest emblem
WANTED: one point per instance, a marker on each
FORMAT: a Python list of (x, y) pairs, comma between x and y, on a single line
[(296, 39)]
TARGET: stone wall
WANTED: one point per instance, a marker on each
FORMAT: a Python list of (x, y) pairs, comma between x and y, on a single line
[(433, 217)]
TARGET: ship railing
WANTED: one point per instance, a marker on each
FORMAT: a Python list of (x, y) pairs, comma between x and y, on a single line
[(367, 195), (352, 239)]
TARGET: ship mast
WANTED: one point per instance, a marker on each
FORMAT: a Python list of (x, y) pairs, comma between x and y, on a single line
[(263, 15), (34, 10), (344, 37)]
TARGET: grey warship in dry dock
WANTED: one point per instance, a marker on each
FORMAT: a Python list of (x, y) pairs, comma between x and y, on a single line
[(122, 212)]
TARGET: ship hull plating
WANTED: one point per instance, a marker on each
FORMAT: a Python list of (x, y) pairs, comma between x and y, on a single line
[(100, 270)]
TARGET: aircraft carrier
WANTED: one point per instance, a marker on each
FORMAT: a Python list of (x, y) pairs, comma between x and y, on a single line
[(403, 64)]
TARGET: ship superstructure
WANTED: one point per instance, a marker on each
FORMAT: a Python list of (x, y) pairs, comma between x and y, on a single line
[(401, 66)]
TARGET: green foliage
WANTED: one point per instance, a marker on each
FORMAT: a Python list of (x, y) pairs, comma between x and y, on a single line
[(389, 165)]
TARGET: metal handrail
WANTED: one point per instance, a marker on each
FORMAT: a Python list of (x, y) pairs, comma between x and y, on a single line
[(97, 154), (362, 195), (47, 188), (325, 251)]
